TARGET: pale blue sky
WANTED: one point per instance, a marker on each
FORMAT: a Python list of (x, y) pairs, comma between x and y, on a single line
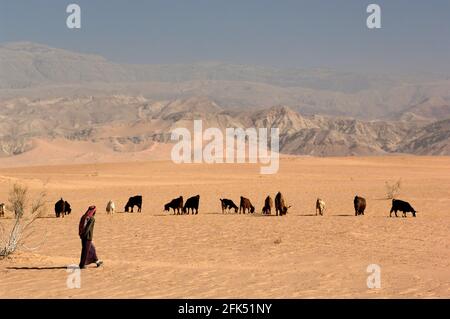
[(317, 33)]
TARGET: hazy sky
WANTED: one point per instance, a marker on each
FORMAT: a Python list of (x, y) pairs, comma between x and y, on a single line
[(415, 34)]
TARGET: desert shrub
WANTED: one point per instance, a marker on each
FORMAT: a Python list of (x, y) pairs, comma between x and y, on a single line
[(17, 200), (393, 190), (22, 227)]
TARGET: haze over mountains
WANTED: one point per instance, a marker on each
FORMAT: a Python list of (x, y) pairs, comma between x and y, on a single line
[(48, 93)]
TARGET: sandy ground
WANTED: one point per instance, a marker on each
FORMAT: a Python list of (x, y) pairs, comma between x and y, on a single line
[(158, 255)]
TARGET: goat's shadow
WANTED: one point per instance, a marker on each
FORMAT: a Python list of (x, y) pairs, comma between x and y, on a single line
[(219, 213), (261, 215), (343, 215), (126, 213), (171, 214)]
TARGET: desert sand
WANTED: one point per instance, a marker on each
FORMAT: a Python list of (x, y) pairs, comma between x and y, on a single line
[(158, 255)]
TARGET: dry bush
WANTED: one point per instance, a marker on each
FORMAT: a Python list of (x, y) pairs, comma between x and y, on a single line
[(22, 228), (17, 200), (393, 190)]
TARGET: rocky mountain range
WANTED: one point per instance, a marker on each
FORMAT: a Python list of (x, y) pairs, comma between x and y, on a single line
[(126, 123), (48, 93)]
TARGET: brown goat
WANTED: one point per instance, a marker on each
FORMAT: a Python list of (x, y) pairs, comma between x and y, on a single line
[(360, 205), (280, 205), (268, 205), (246, 205)]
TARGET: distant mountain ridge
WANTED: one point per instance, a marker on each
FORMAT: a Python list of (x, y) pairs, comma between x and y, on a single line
[(38, 71), (30, 64), (126, 123)]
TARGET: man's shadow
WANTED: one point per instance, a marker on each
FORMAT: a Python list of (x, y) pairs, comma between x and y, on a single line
[(38, 268)]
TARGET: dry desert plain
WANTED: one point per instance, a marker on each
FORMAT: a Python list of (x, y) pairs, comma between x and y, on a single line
[(157, 255)]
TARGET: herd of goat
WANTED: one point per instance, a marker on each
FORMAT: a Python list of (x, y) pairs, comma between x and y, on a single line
[(191, 205)]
